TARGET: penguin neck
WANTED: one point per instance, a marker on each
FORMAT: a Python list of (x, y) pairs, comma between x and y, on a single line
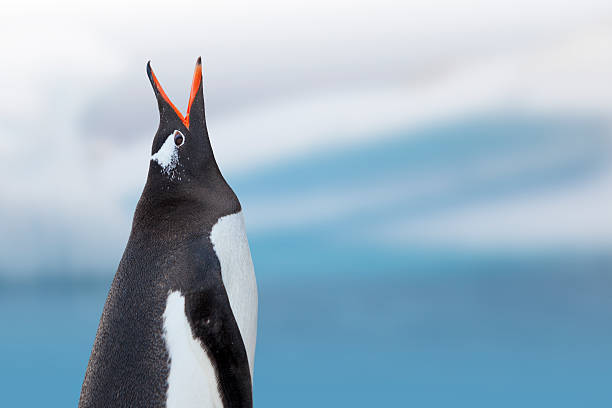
[(165, 201)]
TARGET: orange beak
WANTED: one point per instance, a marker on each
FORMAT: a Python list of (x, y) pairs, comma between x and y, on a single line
[(195, 86)]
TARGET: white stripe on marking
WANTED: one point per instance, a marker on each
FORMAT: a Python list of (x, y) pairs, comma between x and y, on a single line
[(229, 240), (192, 381)]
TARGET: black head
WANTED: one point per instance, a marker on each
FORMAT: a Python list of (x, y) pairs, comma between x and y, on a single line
[(181, 149), (182, 165)]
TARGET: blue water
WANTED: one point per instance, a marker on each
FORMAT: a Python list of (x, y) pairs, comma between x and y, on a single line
[(532, 338)]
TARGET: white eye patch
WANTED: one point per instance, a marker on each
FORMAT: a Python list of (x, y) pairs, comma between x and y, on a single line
[(167, 155)]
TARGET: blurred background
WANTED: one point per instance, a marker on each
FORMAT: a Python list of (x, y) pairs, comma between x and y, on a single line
[(427, 188)]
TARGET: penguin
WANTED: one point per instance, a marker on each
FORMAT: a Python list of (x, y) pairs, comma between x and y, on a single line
[(179, 325)]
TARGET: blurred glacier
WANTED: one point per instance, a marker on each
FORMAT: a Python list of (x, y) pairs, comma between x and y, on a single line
[(448, 186)]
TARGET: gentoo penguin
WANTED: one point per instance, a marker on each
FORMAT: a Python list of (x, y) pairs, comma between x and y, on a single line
[(179, 324)]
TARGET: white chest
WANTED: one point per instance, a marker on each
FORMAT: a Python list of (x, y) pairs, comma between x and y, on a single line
[(229, 240), (192, 381)]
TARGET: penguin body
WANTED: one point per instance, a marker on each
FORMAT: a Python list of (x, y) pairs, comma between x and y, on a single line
[(179, 325)]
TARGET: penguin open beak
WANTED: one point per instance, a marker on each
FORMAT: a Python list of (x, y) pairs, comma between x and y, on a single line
[(195, 86)]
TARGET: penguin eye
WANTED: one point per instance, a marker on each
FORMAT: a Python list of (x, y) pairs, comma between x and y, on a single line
[(179, 139)]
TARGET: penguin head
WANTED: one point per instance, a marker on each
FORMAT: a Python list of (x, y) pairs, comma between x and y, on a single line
[(181, 152)]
